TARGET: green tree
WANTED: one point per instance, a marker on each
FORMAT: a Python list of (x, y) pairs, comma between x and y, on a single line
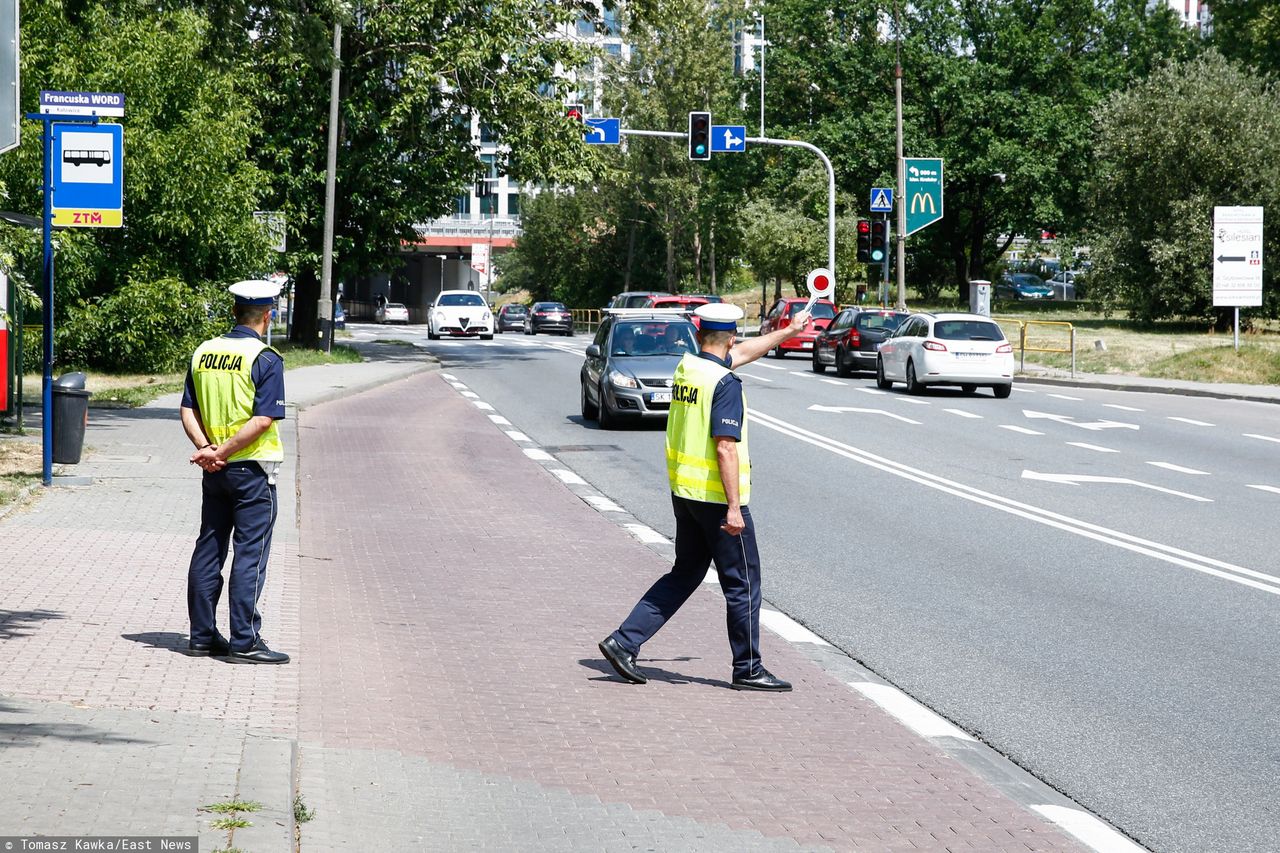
[(1248, 31), (1194, 135)]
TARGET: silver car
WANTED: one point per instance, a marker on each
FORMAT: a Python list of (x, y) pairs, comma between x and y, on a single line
[(629, 366)]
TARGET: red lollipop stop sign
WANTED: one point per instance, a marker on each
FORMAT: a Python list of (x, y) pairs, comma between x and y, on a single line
[(821, 285)]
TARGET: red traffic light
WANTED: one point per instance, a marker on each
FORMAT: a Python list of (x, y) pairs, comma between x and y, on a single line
[(574, 112), (864, 227)]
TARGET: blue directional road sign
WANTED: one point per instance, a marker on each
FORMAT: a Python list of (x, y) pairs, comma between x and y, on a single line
[(881, 200), (728, 138), (88, 175), (602, 131)]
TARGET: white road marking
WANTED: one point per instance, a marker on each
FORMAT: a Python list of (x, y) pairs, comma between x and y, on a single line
[(1023, 390), (458, 386), (808, 374), (1169, 466), (1272, 489), (753, 376), (908, 711), (603, 504), (568, 477), (1093, 447), (788, 629), (516, 435), (1020, 429), (1191, 421), (482, 405), (499, 420), (1029, 512), (537, 453), (841, 409), (763, 363), (1077, 479), (1262, 437), (1122, 408), (962, 413), (1066, 397), (835, 382), (448, 376), (865, 390), (472, 395), (912, 400), (1092, 426), (1088, 830), (645, 534)]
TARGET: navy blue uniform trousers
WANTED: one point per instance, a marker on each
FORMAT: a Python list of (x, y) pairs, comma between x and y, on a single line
[(699, 542), (239, 504)]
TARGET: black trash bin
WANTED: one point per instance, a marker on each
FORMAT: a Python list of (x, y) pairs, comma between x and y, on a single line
[(70, 417)]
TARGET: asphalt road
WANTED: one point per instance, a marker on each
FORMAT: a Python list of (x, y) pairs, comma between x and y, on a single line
[(1084, 579)]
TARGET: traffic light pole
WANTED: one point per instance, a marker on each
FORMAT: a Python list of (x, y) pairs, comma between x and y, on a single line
[(786, 143)]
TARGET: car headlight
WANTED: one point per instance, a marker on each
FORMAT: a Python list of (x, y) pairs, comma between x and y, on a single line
[(486, 316), (622, 380), (440, 317)]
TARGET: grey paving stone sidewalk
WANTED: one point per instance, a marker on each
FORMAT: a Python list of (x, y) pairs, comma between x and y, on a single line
[(453, 698)]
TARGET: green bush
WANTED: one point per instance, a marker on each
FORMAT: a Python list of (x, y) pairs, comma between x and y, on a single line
[(144, 327)]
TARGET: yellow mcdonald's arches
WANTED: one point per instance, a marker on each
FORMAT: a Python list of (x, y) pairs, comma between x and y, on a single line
[(921, 201)]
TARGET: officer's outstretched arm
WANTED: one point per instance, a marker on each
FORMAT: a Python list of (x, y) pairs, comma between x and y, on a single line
[(747, 351)]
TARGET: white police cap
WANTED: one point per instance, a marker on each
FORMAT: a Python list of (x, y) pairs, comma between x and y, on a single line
[(255, 291), (718, 317)]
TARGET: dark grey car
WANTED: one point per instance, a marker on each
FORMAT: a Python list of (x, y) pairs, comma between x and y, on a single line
[(629, 365)]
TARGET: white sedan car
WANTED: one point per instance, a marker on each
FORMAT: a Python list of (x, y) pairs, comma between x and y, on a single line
[(947, 349), (391, 312), (459, 312)]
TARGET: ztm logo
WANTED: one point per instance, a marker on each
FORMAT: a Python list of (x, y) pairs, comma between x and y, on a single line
[(923, 203), (86, 218)]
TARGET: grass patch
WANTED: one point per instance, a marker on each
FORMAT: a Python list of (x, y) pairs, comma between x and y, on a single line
[(230, 823), (1253, 364), (300, 356), (301, 813), (21, 461), (232, 806)]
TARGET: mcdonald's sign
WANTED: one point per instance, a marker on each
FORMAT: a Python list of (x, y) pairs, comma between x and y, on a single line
[(923, 191)]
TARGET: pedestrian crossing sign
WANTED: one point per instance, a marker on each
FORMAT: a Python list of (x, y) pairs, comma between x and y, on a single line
[(881, 200)]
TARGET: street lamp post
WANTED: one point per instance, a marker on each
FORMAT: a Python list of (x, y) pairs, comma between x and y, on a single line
[(759, 16), (327, 294)]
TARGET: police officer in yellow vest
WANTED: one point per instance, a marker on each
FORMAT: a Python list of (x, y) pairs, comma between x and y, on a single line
[(233, 400), (709, 469)]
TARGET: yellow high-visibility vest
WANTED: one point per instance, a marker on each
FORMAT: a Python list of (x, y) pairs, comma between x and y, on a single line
[(222, 372), (692, 467)]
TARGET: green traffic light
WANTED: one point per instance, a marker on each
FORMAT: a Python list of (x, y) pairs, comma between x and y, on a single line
[(877, 255), (701, 149)]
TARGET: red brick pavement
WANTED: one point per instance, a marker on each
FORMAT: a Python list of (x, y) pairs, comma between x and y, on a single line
[(453, 594)]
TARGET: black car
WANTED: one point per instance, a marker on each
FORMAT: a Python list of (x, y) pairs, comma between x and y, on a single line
[(629, 366), (511, 318), (548, 317), (850, 342)]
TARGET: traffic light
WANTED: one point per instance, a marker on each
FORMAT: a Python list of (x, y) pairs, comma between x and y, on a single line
[(575, 112), (699, 136), (879, 241), (864, 241)]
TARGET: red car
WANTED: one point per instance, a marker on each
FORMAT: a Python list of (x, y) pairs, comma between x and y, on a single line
[(688, 304), (779, 317)]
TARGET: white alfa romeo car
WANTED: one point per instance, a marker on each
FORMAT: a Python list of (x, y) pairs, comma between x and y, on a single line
[(459, 313)]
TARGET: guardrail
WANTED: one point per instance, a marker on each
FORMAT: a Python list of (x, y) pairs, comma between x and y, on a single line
[(1031, 338)]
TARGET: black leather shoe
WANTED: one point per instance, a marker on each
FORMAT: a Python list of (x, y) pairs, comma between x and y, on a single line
[(218, 647), (622, 661), (762, 680), (258, 654)]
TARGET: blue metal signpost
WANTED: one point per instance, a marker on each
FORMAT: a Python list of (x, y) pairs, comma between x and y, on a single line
[(728, 138)]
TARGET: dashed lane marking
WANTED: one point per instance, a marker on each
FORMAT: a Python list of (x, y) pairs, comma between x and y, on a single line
[(1191, 421), (807, 374), (872, 391), (962, 413), (912, 400), (568, 477), (482, 405), (1023, 390), (1273, 489), (835, 382), (1088, 830), (448, 376), (788, 629), (1169, 466), (1093, 447), (908, 711), (470, 395), (753, 376), (1066, 397), (537, 453), (769, 366), (1123, 408), (516, 435), (1262, 437), (645, 533), (602, 504), (499, 420), (1020, 429)]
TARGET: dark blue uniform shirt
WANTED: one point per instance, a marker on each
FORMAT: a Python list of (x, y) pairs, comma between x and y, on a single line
[(268, 380), (727, 409)]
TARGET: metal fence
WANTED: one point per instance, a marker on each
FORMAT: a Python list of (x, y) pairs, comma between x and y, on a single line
[(1041, 336)]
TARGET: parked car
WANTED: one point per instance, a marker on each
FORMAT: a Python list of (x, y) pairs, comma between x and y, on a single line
[(510, 318), (779, 317), (684, 303), (459, 313), (633, 298), (548, 317), (629, 366), (709, 297), (1022, 285), (849, 343), (1068, 284), (391, 312), (947, 349)]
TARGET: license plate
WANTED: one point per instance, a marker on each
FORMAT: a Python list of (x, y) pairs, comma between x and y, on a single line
[(971, 355), (660, 397), (806, 345)]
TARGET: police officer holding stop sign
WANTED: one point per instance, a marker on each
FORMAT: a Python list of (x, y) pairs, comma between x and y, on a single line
[(709, 470)]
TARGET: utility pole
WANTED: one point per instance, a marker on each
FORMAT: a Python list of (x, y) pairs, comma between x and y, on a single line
[(902, 175), (760, 18), (327, 287)]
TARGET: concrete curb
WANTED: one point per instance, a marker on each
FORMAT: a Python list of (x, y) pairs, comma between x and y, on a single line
[(1119, 384)]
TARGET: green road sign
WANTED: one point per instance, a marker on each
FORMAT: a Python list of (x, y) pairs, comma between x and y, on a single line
[(923, 196)]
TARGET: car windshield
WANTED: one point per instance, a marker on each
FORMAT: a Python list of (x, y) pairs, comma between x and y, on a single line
[(821, 310), (1027, 280), (967, 330), (456, 299), (550, 306), (887, 322), (639, 339)]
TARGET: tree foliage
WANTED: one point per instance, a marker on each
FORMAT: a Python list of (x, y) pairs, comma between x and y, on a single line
[(1193, 136)]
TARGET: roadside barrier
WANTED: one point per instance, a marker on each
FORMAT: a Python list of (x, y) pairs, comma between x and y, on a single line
[(1042, 336), (585, 319)]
